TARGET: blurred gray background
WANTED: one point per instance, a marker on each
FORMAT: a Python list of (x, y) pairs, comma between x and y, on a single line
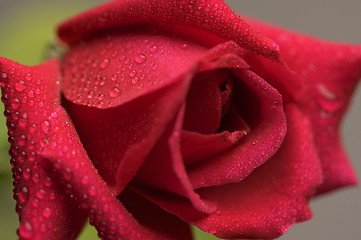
[(337, 215)]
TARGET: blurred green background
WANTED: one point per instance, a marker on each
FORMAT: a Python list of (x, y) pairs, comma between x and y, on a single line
[(27, 28)]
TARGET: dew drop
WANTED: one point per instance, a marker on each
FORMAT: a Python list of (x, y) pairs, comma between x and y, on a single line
[(32, 128), (45, 126), (43, 228), (15, 103), (326, 93), (133, 73), (115, 92), (101, 97), (26, 230), (101, 105), (23, 122), (114, 77), (19, 86), (184, 46), (47, 212), (85, 180), (28, 77), (92, 191), (24, 195), (135, 80), (104, 64), (40, 194), (27, 174), (48, 182), (36, 178), (153, 49), (140, 58), (68, 174), (36, 203), (22, 140)]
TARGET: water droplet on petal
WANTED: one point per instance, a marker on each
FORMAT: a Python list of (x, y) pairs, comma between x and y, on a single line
[(36, 178), (115, 92), (135, 80), (43, 228), (40, 194), (31, 94), (23, 122), (184, 46), (45, 126), (24, 195), (26, 230), (15, 103), (104, 64), (47, 212), (27, 174), (133, 73), (85, 180), (92, 191), (28, 77), (114, 77), (140, 58), (48, 182), (153, 49), (326, 93), (19, 86)]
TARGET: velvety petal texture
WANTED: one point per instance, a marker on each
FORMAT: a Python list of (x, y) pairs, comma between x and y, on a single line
[(165, 113), (329, 72), (31, 96), (213, 16)]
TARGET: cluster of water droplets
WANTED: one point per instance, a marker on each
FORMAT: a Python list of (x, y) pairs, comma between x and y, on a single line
[(210, 16), (87, 188), (29, 99), (109, 70)]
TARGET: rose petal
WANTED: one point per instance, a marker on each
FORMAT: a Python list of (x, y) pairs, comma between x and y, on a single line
[(197, 147), (165, 159), (164, 167), (268, 128), (330, 72), (204, 102), (122, 137), (213, 16), (121, 65), (270, 200), (31, 95), (166, 225), (85, 185)]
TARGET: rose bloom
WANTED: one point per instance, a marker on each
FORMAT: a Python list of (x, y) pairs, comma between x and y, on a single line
[(164, 113)]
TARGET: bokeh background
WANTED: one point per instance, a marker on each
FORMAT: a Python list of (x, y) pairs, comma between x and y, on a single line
[(27, 28)]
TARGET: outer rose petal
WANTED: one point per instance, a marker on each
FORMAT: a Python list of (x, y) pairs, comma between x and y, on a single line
[(31, 95), (219, 18), (86, 186), (118, 66), (329, 73), (266, 203)]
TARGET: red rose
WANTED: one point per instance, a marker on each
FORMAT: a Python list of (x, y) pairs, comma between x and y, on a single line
[(176, 112)]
